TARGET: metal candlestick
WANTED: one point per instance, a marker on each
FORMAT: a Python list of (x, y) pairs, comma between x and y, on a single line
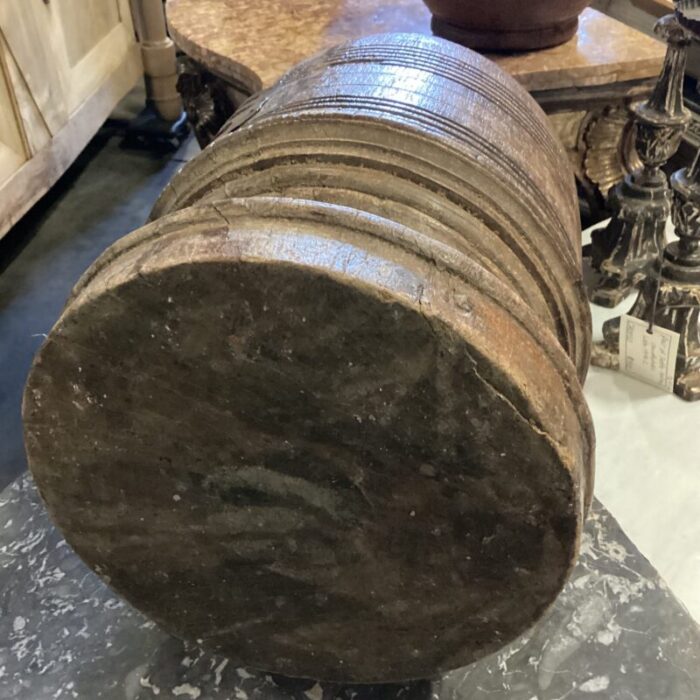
[(623, 251), (670, 295)]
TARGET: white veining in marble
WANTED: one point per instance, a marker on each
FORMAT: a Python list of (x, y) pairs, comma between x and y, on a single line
[(616, 631)]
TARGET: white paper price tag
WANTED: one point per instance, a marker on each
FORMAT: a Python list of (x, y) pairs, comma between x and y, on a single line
[(649, 357)]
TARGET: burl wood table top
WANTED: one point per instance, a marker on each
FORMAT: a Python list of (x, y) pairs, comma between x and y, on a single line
[(253, 42)]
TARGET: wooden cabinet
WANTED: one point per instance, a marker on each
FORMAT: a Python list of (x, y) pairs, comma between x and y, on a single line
[(64, 65)]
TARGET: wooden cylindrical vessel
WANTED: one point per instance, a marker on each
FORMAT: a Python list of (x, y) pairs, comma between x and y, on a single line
[(425, 134), (323, 414), (506, 25)]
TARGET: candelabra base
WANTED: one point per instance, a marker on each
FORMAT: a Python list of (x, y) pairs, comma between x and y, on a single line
[(623, 251), (670, 298)]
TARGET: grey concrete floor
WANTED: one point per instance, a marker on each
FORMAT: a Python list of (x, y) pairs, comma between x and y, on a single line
[(106, 194)]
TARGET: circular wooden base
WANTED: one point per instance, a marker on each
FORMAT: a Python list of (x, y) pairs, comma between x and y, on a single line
[(274, 429)]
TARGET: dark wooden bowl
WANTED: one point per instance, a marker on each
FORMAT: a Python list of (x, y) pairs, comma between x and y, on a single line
[(506, 25)]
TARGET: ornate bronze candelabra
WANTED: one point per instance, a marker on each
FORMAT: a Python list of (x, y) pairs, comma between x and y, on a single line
[(670, 295), (623, 251)]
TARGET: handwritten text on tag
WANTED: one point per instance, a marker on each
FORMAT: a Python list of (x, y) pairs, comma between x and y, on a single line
[(649, 357)]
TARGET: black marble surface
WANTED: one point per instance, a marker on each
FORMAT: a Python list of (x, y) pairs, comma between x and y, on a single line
[(615, 632)]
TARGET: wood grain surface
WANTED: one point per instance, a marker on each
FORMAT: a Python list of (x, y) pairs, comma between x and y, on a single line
[(276, 429), (324, 414), (422, 124)]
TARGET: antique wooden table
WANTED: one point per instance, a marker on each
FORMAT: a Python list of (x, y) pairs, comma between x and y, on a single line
[(585, 85)]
